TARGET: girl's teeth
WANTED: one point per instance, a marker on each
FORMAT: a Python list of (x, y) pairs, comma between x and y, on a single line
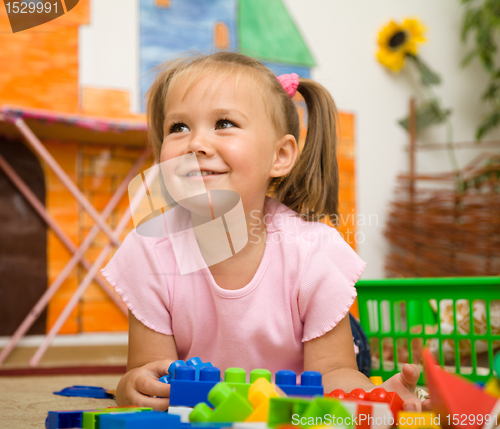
[(200, 173)]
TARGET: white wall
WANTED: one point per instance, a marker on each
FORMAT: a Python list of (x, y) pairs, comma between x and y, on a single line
[(342, 36), (109, 48)]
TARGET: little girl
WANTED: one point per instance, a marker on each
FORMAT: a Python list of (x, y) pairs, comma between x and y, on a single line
[(282, 301)]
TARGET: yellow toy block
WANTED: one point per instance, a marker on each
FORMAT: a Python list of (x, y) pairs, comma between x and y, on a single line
[(414, 420), (259, 394), (492, 387), (376, 380)]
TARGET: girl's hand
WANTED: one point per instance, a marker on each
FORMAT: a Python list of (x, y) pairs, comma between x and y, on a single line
[(140, 386), (404, 385)]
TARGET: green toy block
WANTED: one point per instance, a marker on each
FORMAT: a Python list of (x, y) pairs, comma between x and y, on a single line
[(282, 410), (229, 405), (324, 411), (497, 365), (91, 418), (236, 378)]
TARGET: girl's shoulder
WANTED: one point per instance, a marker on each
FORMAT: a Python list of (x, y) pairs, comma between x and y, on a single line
[(281, 219)]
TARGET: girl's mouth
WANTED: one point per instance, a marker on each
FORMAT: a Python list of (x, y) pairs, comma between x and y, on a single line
[(204, 175)]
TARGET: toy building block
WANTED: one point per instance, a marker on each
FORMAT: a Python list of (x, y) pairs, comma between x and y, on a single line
[(455, 395), (492, 387), (324, 411), (310, 383), (236, 378), (229, 406), (152, 420), (195, 362), (186, 391), (376, 380), (282, 410), (496, 365), (250, 425), (376, 395), (182, 412), (64, 419), (74, 418), (90, 418), (259, 394), (414, 420), (392, 398), (369, 415), (84, 392), (337, 393)]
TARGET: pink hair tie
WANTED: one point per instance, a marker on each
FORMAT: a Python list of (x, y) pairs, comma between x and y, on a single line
[(290, 83)]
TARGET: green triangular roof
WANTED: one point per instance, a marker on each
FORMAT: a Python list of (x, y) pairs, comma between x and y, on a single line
[(267, 32)]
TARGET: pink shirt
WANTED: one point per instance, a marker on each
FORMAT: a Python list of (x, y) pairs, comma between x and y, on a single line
[(303, 287)]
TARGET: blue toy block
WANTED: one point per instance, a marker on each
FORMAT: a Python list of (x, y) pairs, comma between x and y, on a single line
[(84, 392), (204, 425), (63, 419), (195, 362), (151, 420), (310, 383), (186, 391)]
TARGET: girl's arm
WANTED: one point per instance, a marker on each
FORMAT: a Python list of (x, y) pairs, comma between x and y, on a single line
[(149, 356), (333, 355)]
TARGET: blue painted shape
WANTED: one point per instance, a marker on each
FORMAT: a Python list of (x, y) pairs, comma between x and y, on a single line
[(184, 26), (279, 69), (310, 383), (84, 392), (63, 419), (151, 420), (186, 391)]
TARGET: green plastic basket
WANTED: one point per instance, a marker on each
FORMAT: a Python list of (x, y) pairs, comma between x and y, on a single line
[(401, 316)]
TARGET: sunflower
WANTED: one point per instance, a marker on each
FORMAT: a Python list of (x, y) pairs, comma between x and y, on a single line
[(396, 41)]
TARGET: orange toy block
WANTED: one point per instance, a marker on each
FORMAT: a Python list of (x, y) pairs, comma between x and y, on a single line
[(259, 394), (453, 397)]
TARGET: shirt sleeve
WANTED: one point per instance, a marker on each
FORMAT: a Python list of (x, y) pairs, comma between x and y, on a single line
[(327, 289), (135, 273)]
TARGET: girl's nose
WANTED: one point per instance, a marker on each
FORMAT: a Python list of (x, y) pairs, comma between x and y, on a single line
[(200, 145)]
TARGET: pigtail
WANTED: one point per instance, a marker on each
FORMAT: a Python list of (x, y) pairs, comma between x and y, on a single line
[(312, 187)]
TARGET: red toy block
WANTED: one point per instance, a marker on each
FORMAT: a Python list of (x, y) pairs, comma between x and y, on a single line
[(337, 393), (452, 395), (376, 395), (358, 394)]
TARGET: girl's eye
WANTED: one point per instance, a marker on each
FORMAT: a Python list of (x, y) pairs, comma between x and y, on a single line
[(224, 123), (179, 127)]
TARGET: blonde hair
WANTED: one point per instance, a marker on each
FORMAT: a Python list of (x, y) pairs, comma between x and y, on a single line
[(311, 188)]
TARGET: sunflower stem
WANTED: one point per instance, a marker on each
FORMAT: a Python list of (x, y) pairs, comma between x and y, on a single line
[(431, 95)]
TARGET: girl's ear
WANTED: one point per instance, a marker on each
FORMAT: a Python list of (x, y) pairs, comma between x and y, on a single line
[(285, 156)]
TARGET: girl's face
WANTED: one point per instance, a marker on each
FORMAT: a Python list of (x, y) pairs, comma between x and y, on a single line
[(226, 126)]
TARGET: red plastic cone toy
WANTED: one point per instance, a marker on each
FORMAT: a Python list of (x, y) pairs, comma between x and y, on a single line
[(459, 403)]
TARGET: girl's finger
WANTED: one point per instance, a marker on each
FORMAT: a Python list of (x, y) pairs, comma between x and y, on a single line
[(151, 387), (409, 376), (140, 400), (426, 405), (158, 368)]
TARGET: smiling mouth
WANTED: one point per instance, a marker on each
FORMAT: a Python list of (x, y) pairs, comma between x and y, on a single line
[(203, 173)]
